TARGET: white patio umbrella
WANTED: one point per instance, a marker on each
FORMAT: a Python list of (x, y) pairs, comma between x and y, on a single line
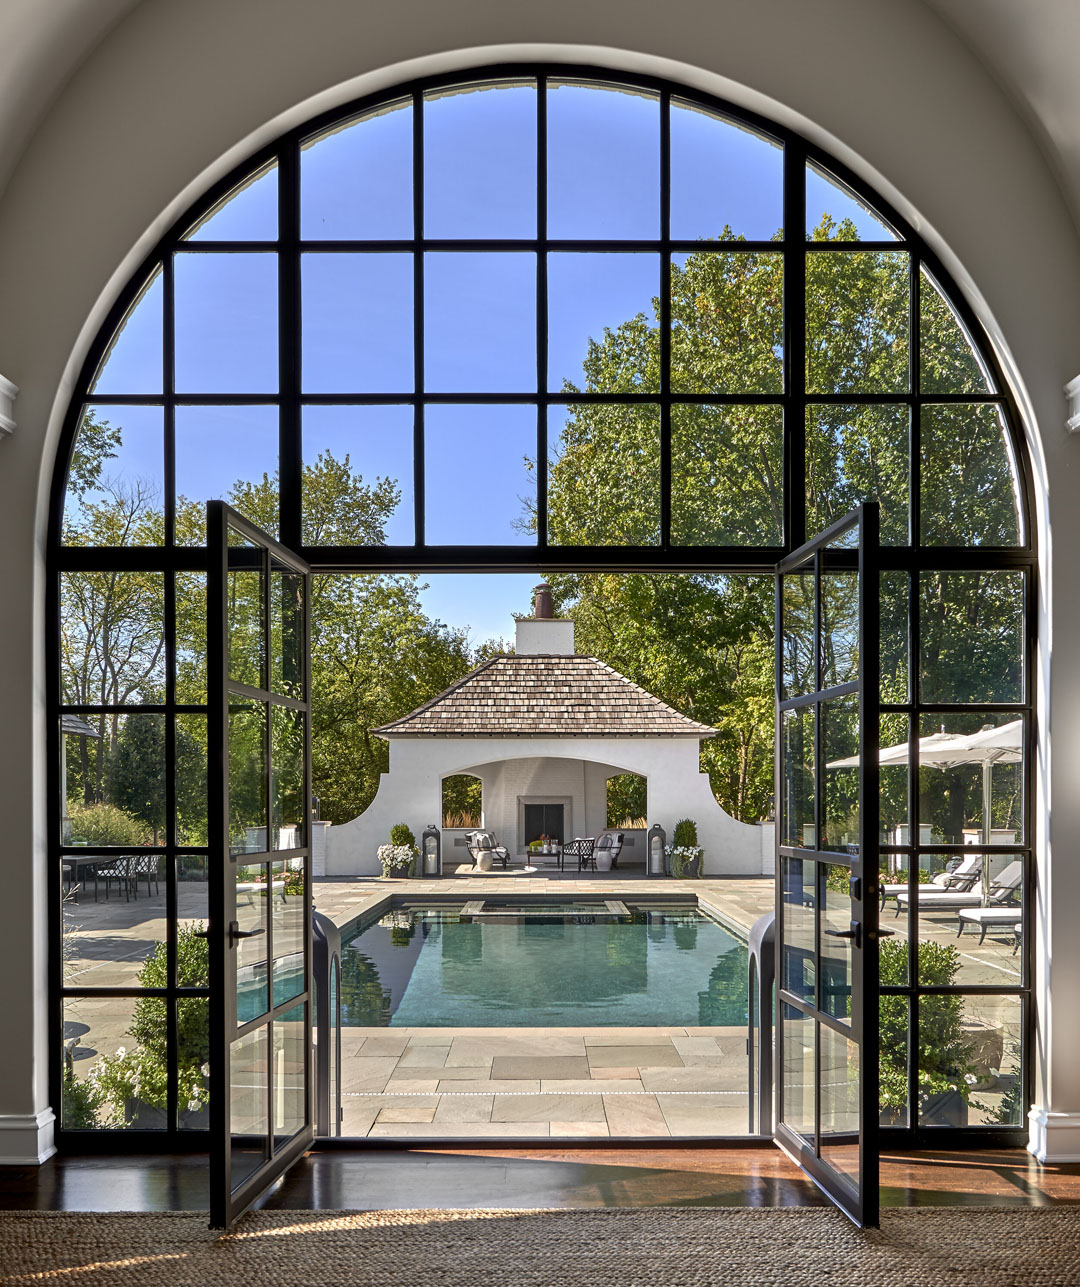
[(1000, 744)]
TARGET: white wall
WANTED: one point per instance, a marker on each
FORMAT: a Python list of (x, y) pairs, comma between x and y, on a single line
[(176, 94), (571, 769)]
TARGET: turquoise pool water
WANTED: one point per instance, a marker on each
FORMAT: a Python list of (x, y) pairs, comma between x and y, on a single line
[(567, 966)]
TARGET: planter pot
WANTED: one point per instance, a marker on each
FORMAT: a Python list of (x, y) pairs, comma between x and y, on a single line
[(603, 860), (484, 861), (946, 1109), (691, 869), (139, 1114)]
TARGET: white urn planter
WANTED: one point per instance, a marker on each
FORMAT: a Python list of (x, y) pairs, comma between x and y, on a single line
[(603, 859), (484, 860)]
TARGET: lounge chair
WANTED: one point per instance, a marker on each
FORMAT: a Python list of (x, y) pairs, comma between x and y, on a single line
[(960, 879), (1001, 903), (480, 842), (609, 840)]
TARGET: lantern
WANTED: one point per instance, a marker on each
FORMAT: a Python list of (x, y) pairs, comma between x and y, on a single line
[(431, 853), (657, 837)]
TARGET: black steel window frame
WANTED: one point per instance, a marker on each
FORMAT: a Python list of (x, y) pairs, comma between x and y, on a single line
[(170, 558)]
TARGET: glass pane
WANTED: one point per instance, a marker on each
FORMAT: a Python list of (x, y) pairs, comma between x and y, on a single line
[(839, 628), (971, 778), (230, 454), (252, 917), (840, 1118), (116, 478), (727, 475), (191, 780), (969, 934), (357, 323), (226, 323), (944, 1060), (112, 648), (835, 213), (895, 665), (248, 1109), (246, 626), (948, 360), (601, 323), (856, 454), (727, 322), (893, 1026), (970, 490), (857, 322), (290, 1074), (356, 179), (726, 181), (247, 777), (480, 489), (993, 1028), (836, 952), (289, 917), (193, 1063), (971, 636), (288, 639), (480, 161), (358, 476), (114, 783), (190, 590), (287, 801), (603, 162), (604, 475), (192, 914), (480, 323), (797, 1108), (132, 362), (114, 1070), (797, 793), (799, 673), (840, 821), (114, 920), (797, 969), (248, 213), (893, 774)]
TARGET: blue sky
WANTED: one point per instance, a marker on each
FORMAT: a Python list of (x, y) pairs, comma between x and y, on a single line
[(480, 307)]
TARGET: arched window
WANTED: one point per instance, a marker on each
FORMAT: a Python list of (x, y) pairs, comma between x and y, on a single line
[(539, 318)]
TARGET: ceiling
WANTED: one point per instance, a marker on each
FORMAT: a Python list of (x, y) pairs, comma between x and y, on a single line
[(1029, 46)]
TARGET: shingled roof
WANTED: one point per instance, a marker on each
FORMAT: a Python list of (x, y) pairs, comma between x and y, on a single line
[(545, 696)]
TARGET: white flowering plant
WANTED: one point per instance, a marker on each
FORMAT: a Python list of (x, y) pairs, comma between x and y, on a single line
[(687, 856), (401, 853)]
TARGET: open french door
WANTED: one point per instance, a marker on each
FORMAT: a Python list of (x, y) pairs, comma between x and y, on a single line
[(260, 881), (827, 738)]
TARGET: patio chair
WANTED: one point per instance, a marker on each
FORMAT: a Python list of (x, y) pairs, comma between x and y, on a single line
[(479, 842), (583, 849), (119, 870), (612, 840), (961, 878), (933, 897), (147, 866)]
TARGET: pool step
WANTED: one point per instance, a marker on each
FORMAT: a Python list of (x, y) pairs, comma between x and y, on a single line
[(616, 907), (472, 909)]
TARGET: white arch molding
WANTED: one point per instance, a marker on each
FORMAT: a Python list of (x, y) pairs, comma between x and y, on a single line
[(128, 144)]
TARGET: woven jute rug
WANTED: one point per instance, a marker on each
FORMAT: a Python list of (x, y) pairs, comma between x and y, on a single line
[(654, 1247)]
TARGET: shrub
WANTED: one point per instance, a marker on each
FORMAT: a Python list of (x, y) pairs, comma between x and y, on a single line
[(943, 1051), (105, 824), (401, 834), (685, 835)]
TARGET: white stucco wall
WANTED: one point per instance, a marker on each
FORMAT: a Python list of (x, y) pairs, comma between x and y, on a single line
[(571, 769), (177, 94)]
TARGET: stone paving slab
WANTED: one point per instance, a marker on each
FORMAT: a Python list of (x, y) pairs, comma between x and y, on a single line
[(654, 1054), (551, 1069)]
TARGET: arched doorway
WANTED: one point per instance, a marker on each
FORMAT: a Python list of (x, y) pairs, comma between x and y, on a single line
[(301, 313)]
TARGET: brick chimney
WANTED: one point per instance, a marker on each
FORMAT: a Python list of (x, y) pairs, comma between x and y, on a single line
[(543, 634)]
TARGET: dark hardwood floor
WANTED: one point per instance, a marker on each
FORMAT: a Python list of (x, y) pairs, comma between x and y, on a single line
[(535, 1177)]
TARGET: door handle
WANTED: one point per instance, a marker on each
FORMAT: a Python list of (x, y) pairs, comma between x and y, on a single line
[(853, 932), (235, 932)]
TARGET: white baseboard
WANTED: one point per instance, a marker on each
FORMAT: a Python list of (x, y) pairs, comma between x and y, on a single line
[(1054, 1137), (27, 1139)]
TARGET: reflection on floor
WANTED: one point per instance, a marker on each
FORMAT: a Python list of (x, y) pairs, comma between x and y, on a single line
[(481, 1177)]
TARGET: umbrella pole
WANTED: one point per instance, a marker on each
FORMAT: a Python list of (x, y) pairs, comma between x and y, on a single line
[(987, 797)]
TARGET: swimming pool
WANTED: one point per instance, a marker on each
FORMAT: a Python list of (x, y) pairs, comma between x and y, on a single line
[(569, 965)]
